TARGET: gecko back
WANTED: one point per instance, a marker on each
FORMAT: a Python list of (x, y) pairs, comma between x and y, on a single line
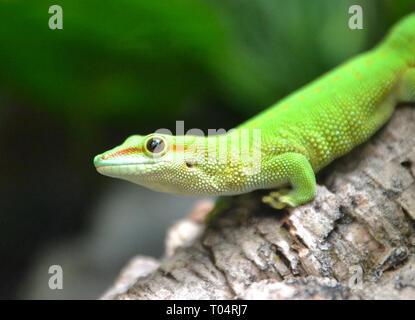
[(343, 108)]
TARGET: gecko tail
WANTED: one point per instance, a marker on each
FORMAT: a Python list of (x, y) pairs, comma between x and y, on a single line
[(401, 38)]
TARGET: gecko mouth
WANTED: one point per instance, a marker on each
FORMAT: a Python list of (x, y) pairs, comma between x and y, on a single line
[(125, 170), (100, 162), (117, 170), (114, 167)]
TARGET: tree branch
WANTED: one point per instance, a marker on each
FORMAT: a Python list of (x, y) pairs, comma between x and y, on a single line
[(355, 240)]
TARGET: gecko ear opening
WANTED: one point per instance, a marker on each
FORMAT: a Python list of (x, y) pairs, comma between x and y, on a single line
[(190, 164)]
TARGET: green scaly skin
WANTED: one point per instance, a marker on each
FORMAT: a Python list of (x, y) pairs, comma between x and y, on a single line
[(298, 136)]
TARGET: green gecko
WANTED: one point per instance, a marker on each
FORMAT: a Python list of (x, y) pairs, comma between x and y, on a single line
[(298, 136)]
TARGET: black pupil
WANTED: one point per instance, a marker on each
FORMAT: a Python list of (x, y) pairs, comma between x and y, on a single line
[(155, 145)]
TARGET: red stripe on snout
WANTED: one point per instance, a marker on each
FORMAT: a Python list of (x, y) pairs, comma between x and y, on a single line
[(122, 152)]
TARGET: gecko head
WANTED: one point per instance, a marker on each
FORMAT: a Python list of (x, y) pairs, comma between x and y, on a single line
[(160, 162)]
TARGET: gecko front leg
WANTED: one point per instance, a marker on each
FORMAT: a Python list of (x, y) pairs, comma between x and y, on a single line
[(295, 168), (406, 93)]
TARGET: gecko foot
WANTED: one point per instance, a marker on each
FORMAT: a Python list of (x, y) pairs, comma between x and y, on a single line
[(279, 199)]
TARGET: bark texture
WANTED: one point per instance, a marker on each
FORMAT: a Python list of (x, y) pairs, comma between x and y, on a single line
[(356, 240)]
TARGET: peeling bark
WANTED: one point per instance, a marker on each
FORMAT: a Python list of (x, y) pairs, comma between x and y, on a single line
[(356, 240)]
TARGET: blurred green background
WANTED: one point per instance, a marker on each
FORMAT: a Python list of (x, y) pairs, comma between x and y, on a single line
[(133, 66)]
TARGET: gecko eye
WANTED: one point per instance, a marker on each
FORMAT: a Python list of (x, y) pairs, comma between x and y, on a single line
[(155, 145)]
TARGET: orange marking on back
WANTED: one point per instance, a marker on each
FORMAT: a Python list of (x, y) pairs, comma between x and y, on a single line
[(301, 98), (358, 75), (271, 114), (317, 89), (370, 61), (285, 107), (336, 78)]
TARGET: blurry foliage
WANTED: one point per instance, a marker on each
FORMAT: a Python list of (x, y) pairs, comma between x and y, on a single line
[(127, 66), (140, 58), (121, 57)]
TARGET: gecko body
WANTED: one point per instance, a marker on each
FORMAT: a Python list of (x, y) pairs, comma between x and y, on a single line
[(286, 144)]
